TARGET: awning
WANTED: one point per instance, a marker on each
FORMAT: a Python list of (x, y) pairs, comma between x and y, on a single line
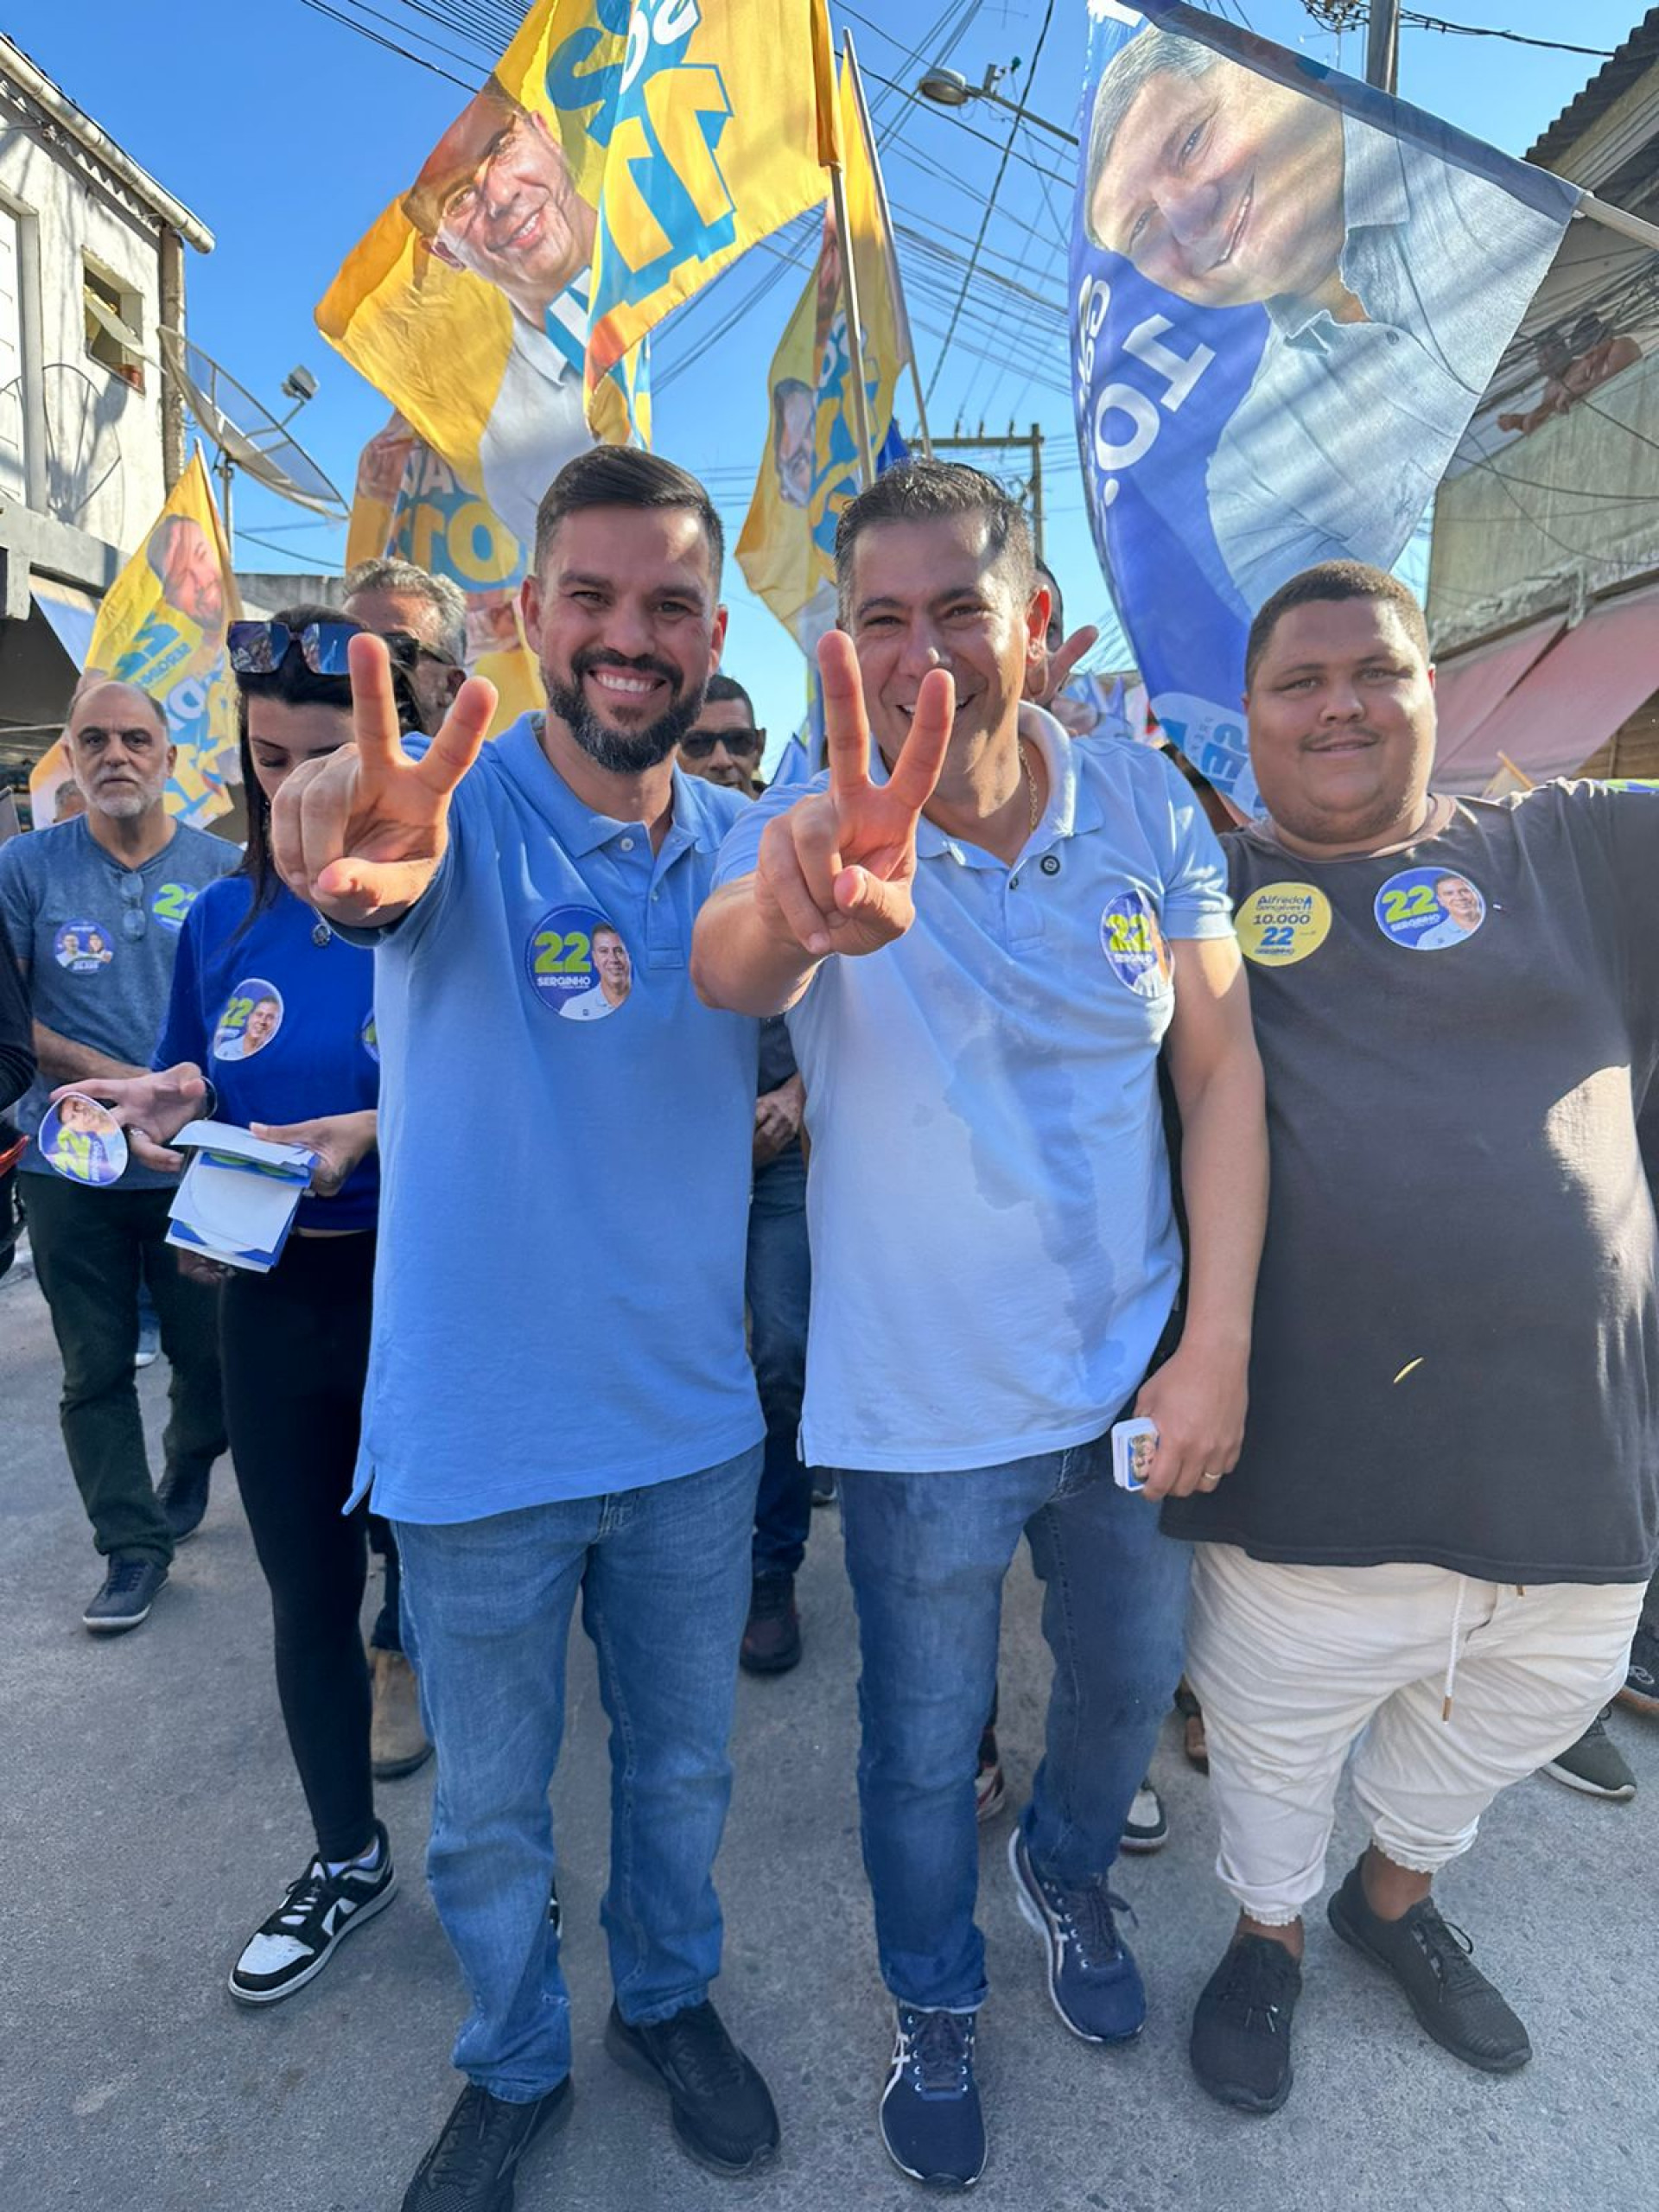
[(1570, 701), (1469, 686), (71, 614)]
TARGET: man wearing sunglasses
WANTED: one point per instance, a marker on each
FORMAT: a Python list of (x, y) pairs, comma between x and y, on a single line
[(93, 907), (396, 599), (725, 748)]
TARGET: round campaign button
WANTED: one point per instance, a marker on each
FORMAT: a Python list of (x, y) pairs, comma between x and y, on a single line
[(82, 1140), (1282, 923), (1425, 909), (83, 948), (1134, 943), (253, 1015), (578, 965)]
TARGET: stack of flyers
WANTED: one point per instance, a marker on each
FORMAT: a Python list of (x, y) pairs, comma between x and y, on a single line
[(237, 1199)]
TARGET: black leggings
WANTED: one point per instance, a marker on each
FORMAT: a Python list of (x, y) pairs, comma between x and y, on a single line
[(294, 1345)]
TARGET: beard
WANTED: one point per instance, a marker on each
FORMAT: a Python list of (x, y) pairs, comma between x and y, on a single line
[(621, 753)]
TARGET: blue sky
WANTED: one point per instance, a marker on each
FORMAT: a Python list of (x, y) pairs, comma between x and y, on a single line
[(288, 132)]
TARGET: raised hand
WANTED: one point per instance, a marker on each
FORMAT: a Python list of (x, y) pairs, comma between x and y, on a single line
[(151, 1108), (836, 872), (359, 834), (1052, 673)]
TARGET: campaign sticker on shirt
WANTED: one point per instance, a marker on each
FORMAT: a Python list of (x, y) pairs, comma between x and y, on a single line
[(253, 1015), (1425, 909), (578, 964), (1134, 943), (82, 1140), (83, 948), (172, 902), (1282, 923), (368, 1037)]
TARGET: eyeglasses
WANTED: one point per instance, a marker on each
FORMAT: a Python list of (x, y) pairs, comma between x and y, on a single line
[(135, 915), (698, 744), (260, 648)]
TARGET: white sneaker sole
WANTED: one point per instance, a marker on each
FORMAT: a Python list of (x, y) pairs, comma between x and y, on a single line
[(941, 2184), (309, 1974), (1620, 1797), (1034, 1918)]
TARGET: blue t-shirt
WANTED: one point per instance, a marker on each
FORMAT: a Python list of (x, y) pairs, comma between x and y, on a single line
[(565, 1141), (282, 1026), (994, 1250), (98, 940)]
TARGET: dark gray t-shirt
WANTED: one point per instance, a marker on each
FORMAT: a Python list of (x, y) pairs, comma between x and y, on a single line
[(1457, 1344), (97, 973)]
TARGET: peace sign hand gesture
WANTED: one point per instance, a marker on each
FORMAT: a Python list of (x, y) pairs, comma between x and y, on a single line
[(835, 873), (359, 834)]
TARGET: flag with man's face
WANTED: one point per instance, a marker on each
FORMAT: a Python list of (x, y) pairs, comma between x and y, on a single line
[(618, 157), (162, 626), (810, 467), (410, 505), (1289, 293)]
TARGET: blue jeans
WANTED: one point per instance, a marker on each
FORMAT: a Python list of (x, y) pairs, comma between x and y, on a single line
[(664, 1573), (779, 1294), (927, 1555)]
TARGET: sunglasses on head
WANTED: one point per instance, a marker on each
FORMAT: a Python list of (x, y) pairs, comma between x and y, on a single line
[(260, 648), (698, 744)]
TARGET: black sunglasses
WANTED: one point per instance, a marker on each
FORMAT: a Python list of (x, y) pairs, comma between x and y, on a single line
[(698, 744), (260, 648)]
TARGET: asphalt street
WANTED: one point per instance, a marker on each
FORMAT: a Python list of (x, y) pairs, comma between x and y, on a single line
[(150, 1818)]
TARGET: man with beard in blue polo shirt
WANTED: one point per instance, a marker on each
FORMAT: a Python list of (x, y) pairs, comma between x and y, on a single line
[(534, 1423), (982, 934)]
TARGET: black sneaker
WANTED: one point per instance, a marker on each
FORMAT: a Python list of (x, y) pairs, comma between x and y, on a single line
[(318, 1911), (1240, 2046), (723, 2112), (182, 1497), (471, 2166), (824, 1485), (1641, 1690), (128, 1592), (1093, 1980), (1431, 1961), (1594, 1764), (1147, 1827), (772, 1635), (931, 2123)]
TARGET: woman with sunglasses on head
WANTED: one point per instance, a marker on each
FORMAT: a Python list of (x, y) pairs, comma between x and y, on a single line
[(270, 1026)]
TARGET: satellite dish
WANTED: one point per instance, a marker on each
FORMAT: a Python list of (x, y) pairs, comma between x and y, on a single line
[(248, 436)]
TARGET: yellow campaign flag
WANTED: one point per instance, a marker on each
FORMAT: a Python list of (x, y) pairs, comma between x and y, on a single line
[(617, 158), (162, 626), (787, 548), (408, 503)]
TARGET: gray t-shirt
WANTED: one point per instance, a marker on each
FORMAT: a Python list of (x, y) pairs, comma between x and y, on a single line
[(1457, 1340), (98, 941)]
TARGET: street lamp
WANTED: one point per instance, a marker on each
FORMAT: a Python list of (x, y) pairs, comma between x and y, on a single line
[(950, 88)]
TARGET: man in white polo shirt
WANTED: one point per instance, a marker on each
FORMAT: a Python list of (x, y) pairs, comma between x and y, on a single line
[(983, 935)]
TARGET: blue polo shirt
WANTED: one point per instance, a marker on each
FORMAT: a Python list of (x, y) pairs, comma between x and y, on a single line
[(565, 1136), (995, 1253)]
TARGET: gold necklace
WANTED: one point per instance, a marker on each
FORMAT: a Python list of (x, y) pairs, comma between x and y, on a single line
[(1025, 770)]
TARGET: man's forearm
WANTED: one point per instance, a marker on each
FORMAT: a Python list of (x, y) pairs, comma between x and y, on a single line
[(739, 962), (1224, 1179), (62, 1060)]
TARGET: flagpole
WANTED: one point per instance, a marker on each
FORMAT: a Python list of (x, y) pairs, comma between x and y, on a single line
[(855, 327), (899, 300), (1630, 226)]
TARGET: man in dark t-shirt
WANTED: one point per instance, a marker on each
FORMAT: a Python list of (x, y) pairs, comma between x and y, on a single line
[(1439, 1530)]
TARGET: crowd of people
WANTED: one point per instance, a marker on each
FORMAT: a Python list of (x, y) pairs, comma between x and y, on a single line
[(1023, 1107)]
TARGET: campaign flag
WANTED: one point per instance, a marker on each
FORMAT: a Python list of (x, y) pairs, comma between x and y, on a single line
[(162, 626), (810, 468), (410, 505), (618, 156), (1289, 291)]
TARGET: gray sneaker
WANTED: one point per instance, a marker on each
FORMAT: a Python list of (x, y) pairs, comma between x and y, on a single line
[(1594, 1764), (127, 1594), (1429, 1959)]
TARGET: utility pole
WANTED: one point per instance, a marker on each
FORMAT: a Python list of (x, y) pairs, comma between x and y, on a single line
[(1382, 46), (1031, 439)]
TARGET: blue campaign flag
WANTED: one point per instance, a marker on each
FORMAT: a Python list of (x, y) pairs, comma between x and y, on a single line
[(1289, 293), (793, 766)]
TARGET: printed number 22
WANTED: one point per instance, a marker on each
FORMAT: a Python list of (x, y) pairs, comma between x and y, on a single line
[(557, 955), (1279, 938), (1409, 905)]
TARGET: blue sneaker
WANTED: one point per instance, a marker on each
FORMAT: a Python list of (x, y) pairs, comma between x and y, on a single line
[(931, 2119), (1093, 1981)]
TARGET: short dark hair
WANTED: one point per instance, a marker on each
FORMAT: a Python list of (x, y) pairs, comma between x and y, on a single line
[(727, 687), (1334, 579), (931, 491), (625, 476), (1056, 600)]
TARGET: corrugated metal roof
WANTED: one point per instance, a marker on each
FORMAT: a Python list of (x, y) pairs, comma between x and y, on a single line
[(1639, 53)]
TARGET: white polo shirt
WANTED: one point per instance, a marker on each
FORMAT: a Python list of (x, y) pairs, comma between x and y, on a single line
[(994, 1254)]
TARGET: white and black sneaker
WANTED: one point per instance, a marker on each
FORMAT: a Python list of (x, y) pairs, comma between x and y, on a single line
[(298, 1939)]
